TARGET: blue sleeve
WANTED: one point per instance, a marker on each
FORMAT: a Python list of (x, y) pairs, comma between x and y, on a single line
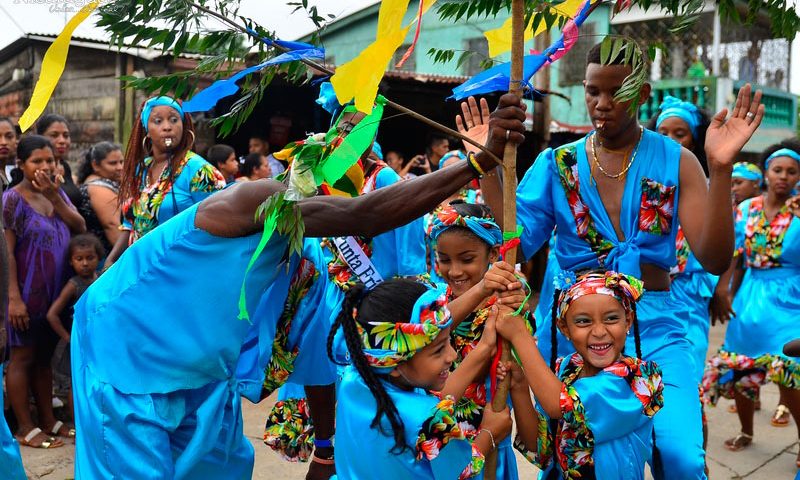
[(739, 226), (408, 241), (535, 209), (612, 410)]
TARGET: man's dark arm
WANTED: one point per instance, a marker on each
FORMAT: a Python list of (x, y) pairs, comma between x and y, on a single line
[(231, 213), (383, 209)]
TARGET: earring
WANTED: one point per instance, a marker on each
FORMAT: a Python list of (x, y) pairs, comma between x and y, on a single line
[(191, 144), (144, 144)]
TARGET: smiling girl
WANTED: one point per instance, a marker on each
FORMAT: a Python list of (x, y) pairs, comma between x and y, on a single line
[(595, 414), (388, 423), (467, 241)]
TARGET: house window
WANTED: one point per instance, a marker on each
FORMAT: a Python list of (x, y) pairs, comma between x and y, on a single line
[(411, 62), (480, 52), (572, 67)]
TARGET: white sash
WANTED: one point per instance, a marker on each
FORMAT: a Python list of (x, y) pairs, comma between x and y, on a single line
[(358, 261)]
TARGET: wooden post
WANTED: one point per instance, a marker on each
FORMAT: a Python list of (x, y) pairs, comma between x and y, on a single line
[(509, 201)]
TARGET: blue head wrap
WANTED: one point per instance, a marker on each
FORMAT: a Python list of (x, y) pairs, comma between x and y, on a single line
[(485, 228), (377, 150), (674, 107), (747, 171), (157, 102), (452, 153), (327, 98), (783, 152)]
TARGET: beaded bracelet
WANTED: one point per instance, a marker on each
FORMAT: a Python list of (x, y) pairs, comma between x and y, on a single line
[(473, 163)]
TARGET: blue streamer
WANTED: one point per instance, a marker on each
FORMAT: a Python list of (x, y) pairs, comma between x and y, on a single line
[(207, 98)]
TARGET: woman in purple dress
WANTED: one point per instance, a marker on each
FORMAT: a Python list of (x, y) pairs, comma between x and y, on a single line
[(38, 218)]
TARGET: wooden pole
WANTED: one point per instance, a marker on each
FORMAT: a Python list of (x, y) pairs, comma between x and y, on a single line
[(509, 201)]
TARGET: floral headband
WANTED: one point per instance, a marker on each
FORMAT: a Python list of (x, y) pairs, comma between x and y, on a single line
[(625, 288), (388, 344), (484, 227)]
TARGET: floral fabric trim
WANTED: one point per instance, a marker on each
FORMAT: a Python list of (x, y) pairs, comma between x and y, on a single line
[(657, 208), (567, 168), (727, 373), (290, 430), (682, 253), (573, 440), (763, 242), (281, 363), (781, 370), (142, 212), (437, 431), (475, 466)]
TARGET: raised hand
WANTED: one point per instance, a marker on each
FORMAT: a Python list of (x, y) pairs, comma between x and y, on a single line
[(725, 138), (474, 123), (43, 184), (505, 125)]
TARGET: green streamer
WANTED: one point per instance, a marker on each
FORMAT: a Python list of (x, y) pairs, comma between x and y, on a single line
[(270, 221), (353, 145)]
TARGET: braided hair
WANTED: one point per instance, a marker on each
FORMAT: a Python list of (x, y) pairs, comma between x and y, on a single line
[(390, 301), (135, 154), (554, 331)]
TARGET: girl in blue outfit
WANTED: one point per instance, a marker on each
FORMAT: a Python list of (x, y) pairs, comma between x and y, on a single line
[(290, 429), (388, 423), (691, 284), (162, 175), (767, 304), (467, 242), (595, 415)]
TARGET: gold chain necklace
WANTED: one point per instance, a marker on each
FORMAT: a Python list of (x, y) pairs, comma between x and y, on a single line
[(630, 162)]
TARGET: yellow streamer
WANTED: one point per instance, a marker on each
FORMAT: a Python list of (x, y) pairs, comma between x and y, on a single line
[(500, 38), (359, 78), (52, 67)]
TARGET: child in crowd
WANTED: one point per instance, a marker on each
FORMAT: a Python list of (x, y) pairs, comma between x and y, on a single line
[(595, 414), (388, 423), (467, 241), (224, 158), (84, 254)]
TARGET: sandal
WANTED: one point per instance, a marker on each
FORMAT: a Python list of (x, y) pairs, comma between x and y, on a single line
[(58, 428), (781, 417), (50, 442), (739, 442)]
